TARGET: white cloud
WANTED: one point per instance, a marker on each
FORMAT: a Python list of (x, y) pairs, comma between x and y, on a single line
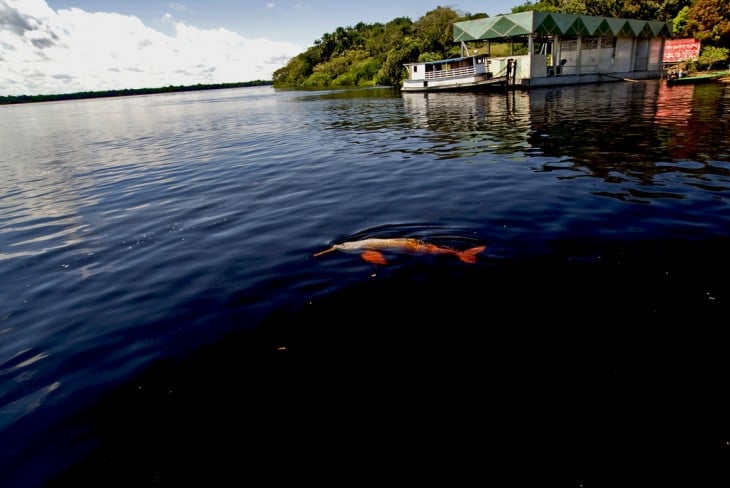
[(178, 6), (43, 51)]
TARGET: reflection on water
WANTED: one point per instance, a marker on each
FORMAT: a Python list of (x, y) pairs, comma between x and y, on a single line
[(467, 124), (692, 121), (674, 105), (636, 134), (585, 122)]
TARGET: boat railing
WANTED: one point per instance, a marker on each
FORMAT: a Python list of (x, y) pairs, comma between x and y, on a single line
[(450, 73)]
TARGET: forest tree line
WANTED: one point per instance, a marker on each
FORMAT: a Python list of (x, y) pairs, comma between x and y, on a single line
[(126, 92), (374, 54)]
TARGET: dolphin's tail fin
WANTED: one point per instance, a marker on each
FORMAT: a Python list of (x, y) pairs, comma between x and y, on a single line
[(470, 255), (325, 251)]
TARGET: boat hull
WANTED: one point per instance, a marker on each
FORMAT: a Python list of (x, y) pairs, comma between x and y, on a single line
[(477, 82), (694, 80)]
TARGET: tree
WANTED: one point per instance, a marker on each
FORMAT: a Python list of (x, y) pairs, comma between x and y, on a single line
[(664, 10), (342, 39), (669, 10), (541, 6), (435, 31), (712, 55), (394, 35), (679, 24), (392, 71), (298, 69), (709, 21)]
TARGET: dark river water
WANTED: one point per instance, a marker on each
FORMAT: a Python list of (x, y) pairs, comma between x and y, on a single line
[(164, 319)]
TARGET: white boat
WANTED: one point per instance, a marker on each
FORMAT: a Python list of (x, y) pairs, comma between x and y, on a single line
[(467, 72)]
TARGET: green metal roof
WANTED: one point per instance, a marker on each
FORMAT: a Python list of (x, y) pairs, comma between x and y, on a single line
[(524, 23)]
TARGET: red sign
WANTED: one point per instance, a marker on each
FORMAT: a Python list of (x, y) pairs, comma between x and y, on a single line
[(676, 50)]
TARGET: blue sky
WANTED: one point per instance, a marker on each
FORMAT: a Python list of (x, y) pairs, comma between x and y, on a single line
[(298, 21), (64, 46)]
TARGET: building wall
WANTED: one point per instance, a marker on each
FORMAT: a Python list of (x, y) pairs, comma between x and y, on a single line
[(606, 54), (537, 67), (588, 55), (656, 53), (593, 60), (624, 55), (569, 52)]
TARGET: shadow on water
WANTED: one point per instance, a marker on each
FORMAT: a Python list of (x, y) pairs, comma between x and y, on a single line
[(576, 369)]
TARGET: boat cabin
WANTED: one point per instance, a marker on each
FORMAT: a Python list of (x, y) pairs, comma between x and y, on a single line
[(465, 72), (448, 67)]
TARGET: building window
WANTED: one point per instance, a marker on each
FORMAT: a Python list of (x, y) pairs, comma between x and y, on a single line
[(569, 45), (588, 43), (608, 42)]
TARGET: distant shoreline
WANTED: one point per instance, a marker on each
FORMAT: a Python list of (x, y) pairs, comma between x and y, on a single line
[(7, 100)]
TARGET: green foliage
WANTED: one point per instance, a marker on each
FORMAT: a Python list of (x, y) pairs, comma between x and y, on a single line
[(664, 10), (669, 10), (362, 73), (435, 30), (357, 55), (556, 6), (709, 21), (392, 72), (351, 68), (394, 35), (298, 69), (500, 49), (315, 80), (429, 56), (712, 56), (679, 23), (541, 6)]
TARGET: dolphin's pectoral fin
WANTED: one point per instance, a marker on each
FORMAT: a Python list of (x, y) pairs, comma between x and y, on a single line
[(374, 257)]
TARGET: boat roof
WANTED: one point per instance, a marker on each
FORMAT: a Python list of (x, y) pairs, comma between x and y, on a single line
[(451, 60), (548, 23)]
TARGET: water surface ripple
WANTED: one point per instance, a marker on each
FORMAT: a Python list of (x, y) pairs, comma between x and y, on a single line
[(163, 316)]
